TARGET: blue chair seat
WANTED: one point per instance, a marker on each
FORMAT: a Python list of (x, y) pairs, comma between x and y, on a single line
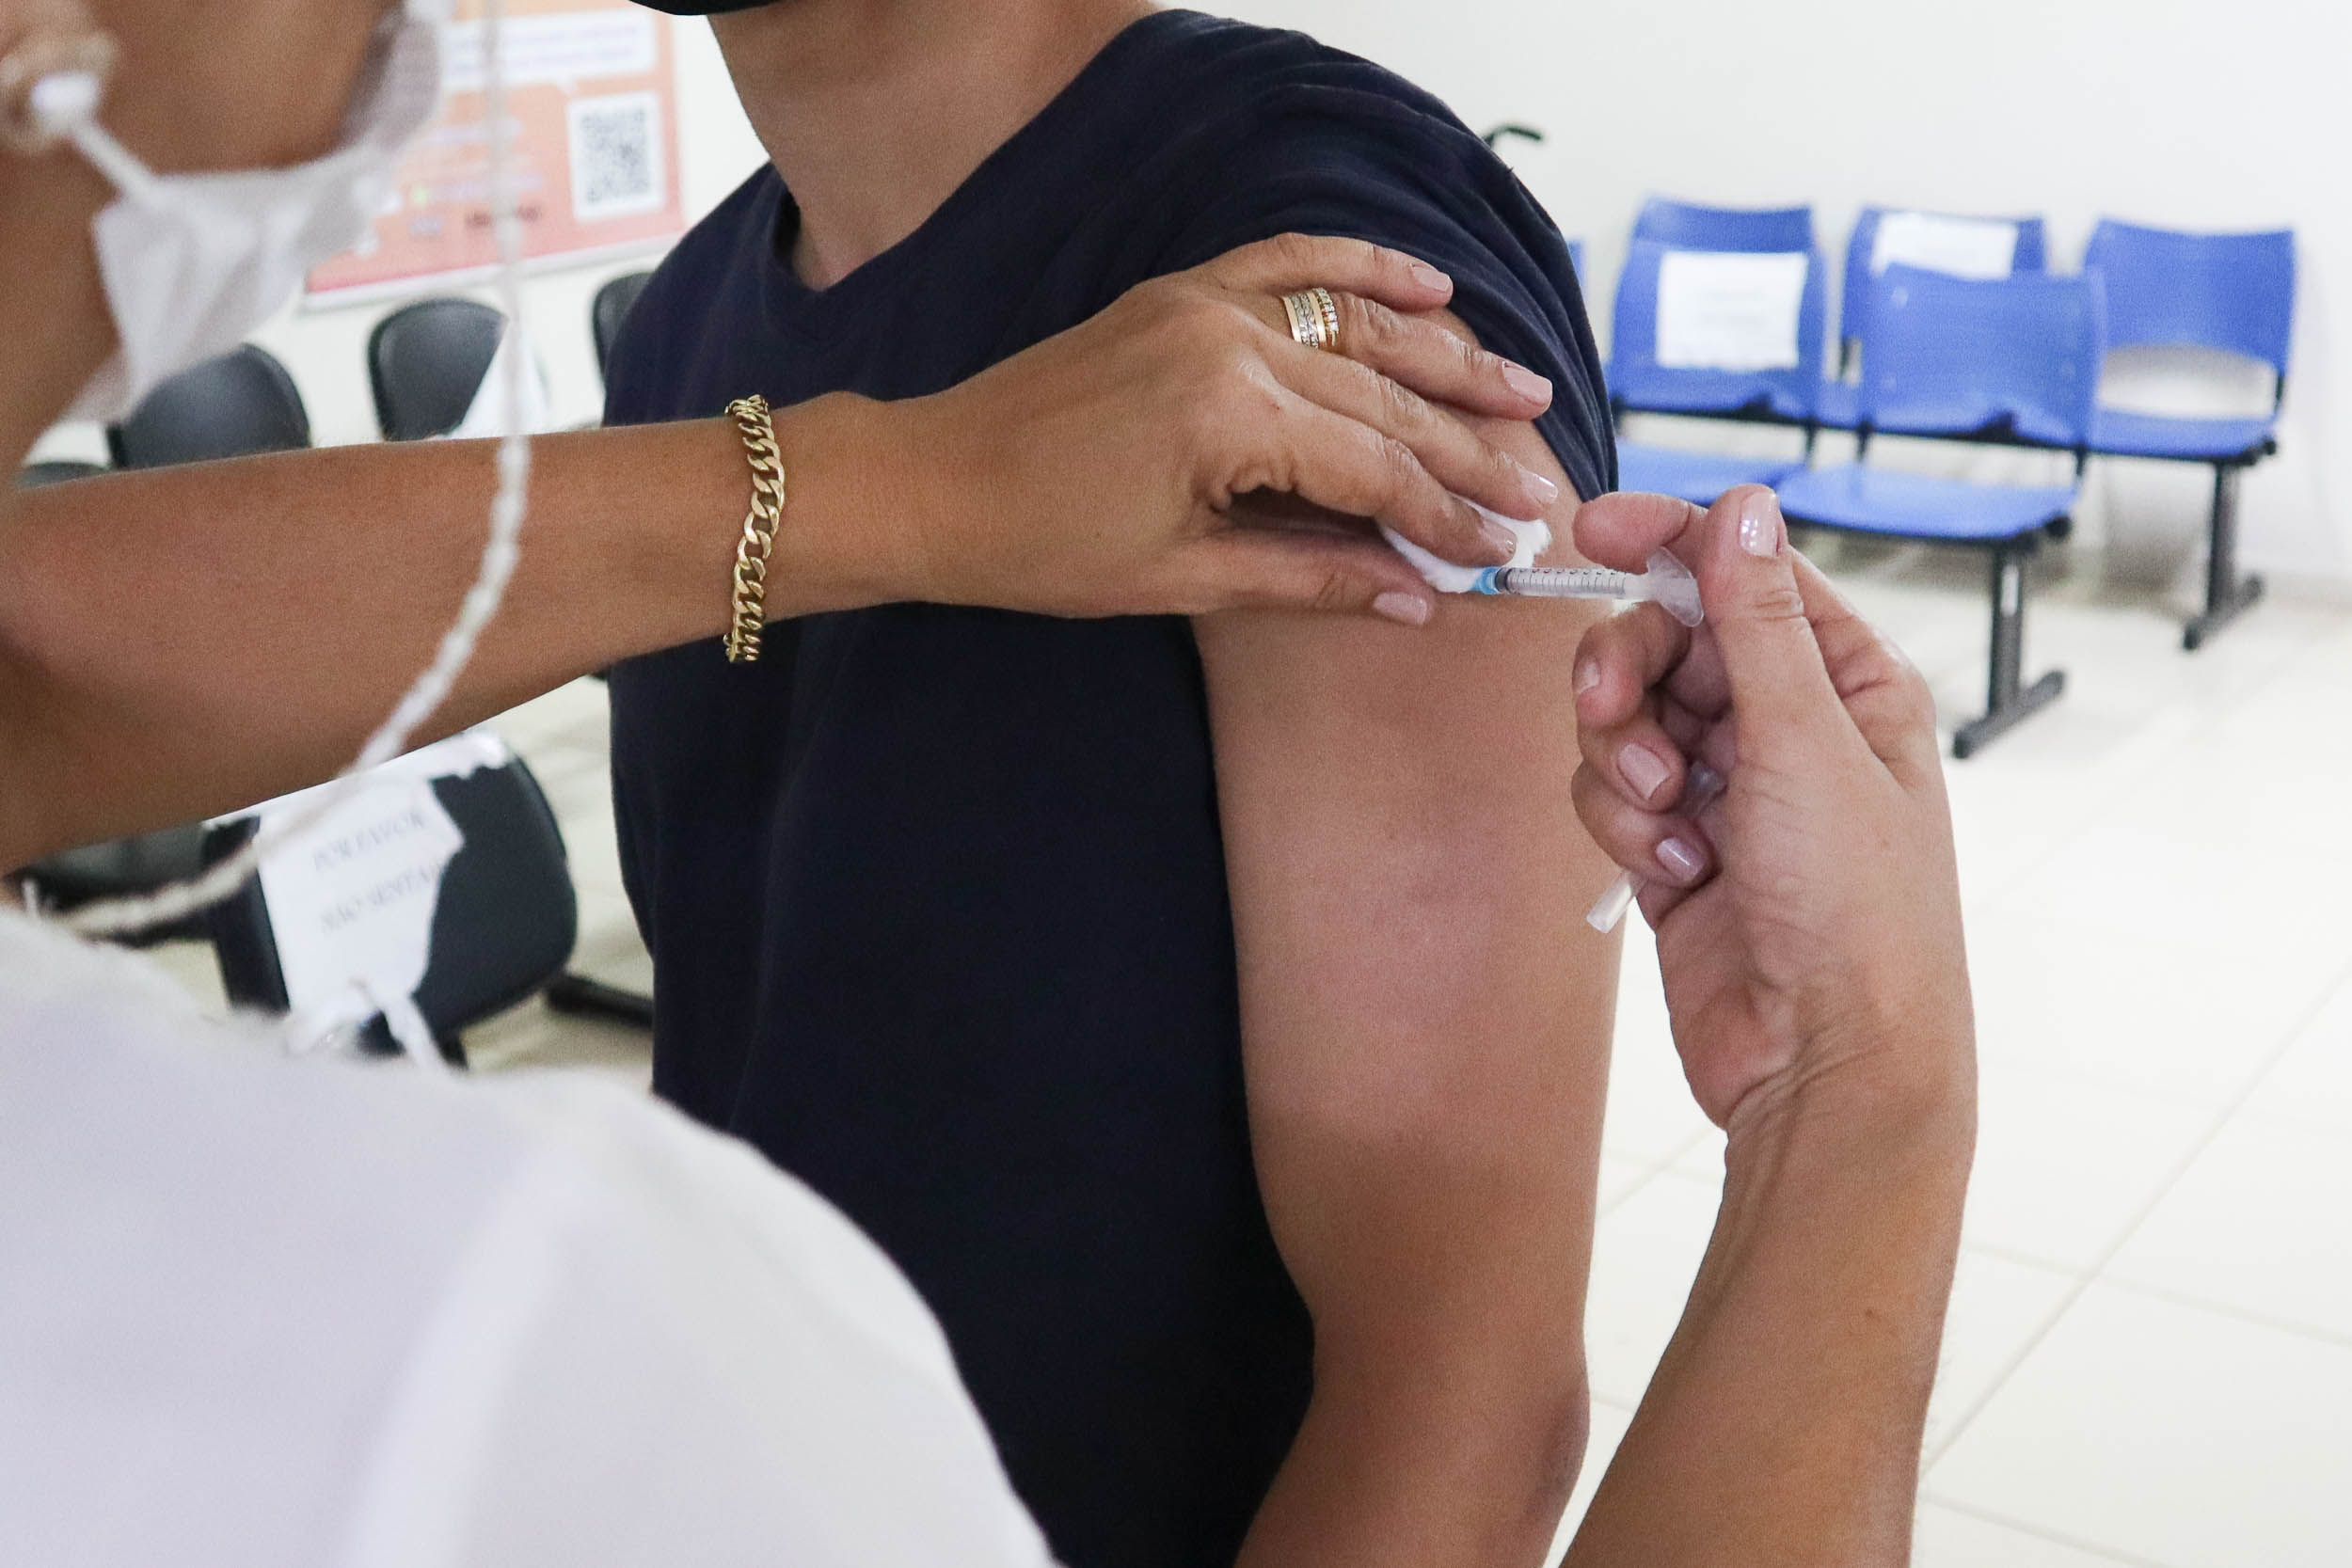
[(1920, 506), (2120, 433), (1698, 477)]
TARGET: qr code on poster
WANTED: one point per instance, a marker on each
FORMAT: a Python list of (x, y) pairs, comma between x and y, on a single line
[(616, 155)]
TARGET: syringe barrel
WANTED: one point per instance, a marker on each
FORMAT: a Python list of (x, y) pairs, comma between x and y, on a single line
[(1553, 582)]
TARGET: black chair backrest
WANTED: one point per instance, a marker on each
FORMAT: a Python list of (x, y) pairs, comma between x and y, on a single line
[(611, 308), (34, 475), (238, 404), (502, 927), (425, 365)]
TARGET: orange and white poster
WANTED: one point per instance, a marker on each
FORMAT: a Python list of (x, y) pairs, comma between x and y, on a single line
[(592, 98)]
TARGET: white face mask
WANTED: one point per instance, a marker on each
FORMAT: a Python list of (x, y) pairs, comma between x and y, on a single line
[(193, 263)]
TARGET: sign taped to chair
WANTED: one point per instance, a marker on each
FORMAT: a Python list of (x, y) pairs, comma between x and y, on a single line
[(351, 902), (592, 100), (1984, 250), (1719, 311)]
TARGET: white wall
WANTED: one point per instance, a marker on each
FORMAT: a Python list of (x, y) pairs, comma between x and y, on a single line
[(2214, 113), (2191, 113), (326, 348)]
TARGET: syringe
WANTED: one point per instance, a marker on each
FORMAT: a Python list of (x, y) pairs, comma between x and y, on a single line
[(1702, 789), (1667, 583)]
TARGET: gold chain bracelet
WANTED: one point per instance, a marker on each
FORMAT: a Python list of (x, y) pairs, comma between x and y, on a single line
[(758, 429)]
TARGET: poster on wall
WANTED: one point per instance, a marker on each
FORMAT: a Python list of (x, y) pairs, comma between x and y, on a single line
[(591, 97)]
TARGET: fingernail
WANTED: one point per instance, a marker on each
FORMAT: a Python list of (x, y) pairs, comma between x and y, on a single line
[(1525, 382), (1643, 770), (1429, 277), (1587, 676), (1542, 489), (1682, 863), (1405, 609), (1502, 539), (1760, 528)]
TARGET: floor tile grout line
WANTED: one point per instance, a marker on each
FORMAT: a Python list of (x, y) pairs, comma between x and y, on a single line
[(1651, 1170), (2022, 1258), (2078, 1286), (2075, 1543), (2259, 1319), (2150, 779)]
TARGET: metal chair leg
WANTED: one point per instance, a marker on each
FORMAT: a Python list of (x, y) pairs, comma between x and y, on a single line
[(2009, 701), (2227, 595), (581, 997)]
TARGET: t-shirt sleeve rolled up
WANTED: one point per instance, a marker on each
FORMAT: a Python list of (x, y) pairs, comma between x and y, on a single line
[(1364, 162)]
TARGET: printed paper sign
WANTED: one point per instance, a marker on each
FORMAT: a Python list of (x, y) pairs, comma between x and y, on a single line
[(1729, 312), (351, 901), (1980, 249), (592, 104)]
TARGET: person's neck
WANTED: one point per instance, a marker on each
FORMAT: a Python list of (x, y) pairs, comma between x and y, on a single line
[(875, 111)]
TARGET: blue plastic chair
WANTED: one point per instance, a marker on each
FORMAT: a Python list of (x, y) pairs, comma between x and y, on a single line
[(2231, 293), (1952, 358), (1839, 404), (1686, 227), (1638, 384), (2033, 256)]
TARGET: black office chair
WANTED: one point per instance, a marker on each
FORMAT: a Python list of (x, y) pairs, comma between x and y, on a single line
[(610, 309), (425, 365), (426, 362), (57, 471), (236, 405), (503, 925)]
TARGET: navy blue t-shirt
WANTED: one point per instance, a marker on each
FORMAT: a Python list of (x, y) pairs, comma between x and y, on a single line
[(936, 896)]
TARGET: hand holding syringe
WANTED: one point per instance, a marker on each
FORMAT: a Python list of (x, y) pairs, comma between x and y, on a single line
[(1668, 584)]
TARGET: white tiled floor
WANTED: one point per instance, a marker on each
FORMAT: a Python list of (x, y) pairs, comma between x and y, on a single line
[(2150, 1354)]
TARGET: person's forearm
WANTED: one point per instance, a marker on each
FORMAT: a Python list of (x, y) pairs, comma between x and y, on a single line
[(1783, 1423), (188, 640), (1425, 1450)]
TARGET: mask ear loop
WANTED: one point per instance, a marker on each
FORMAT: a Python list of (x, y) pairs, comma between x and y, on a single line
[(501, 552), (62, 45), (65, 107)]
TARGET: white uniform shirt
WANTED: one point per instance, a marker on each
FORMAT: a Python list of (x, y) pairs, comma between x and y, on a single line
[(256, 1311)]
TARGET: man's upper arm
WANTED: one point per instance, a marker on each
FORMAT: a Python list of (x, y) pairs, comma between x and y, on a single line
[(1425, 1017)]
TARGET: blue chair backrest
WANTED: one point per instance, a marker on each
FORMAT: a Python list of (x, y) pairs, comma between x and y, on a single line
[(1638, 381), (2167, 289), (1958, 357), (1686, 226), (2033, 255)]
